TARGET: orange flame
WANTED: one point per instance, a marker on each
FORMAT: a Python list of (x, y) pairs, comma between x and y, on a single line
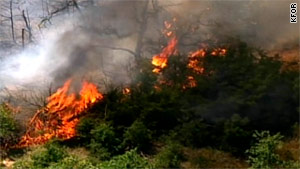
[(126, 91), (219, 51), (195, 60), (61, 115), (160, 60), (191, 82)]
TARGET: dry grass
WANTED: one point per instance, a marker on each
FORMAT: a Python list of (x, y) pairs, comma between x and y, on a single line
[(290, 150), (211, 158), (79, 152)]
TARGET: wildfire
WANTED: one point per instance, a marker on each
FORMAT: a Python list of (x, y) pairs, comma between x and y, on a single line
[(61, 115), (160, 60), (126, 91), (191, 82), (219, 52), (195, 60)]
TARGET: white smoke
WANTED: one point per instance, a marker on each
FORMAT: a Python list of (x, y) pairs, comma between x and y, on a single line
[(35, 63), (71, 46)]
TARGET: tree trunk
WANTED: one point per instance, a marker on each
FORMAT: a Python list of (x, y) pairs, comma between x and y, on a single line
[(142, 31), (23, 38), (12, 21), (27, 24)]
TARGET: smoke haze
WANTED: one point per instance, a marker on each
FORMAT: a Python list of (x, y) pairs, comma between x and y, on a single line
[(83, 45)]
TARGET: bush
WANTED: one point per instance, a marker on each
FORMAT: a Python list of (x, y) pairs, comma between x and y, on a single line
[(262, 154), (131, 159), (236, 137), (104, 141), (169, 157), (84, 128), (194, 134), (53, 154), (8, 127), (42, 156), (20, 164), (137, 135), (73, 162), (66, 163)]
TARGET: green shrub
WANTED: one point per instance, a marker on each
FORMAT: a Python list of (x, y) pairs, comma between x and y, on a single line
[(169, 157), (42, 156), (8, 127), (21, 164), (236, 136), (262, 154), (99, 151), (66, 163), (84, 128), (137, 135), (53, 154), (104, 141), (73, 162), (194, 134), (131, 159)]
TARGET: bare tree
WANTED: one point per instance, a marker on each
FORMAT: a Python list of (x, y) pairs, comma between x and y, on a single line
[(12, 20), (27, 25), (8, 15), (141, 32)]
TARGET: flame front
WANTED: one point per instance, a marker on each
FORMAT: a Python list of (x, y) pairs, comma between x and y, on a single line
[(160, 60), (61, 115)]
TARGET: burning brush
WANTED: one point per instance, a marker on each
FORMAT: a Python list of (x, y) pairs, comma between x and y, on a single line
[(160, 60), (195, 58), (61, 115)]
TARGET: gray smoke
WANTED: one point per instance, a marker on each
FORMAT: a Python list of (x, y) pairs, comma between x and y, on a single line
[(89, 44)]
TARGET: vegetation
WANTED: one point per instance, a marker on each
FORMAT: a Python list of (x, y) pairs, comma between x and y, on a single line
[(8, 129), (262, 154), (169, 126), (169, 157), (131, 159)]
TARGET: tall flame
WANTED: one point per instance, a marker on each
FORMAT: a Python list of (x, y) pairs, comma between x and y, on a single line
[(61, 115), (160, 60)]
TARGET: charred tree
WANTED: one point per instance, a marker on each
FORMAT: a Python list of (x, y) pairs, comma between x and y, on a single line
[(8, 16), (27, 25), (12, 21), (141, 32)]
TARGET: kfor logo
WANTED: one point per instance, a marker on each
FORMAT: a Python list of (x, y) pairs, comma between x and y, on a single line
[(293, 13)]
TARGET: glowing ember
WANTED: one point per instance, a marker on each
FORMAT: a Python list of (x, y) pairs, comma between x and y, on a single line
[(219, 51), (126, 91), (195, 61), (61, 115), (168, 25), (191, 82)]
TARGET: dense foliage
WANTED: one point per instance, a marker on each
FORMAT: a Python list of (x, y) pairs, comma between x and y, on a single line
[(242, 92), (262, 153), (8, 129)]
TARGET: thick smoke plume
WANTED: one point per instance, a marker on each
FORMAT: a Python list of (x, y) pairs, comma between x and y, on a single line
[(90, 43)]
